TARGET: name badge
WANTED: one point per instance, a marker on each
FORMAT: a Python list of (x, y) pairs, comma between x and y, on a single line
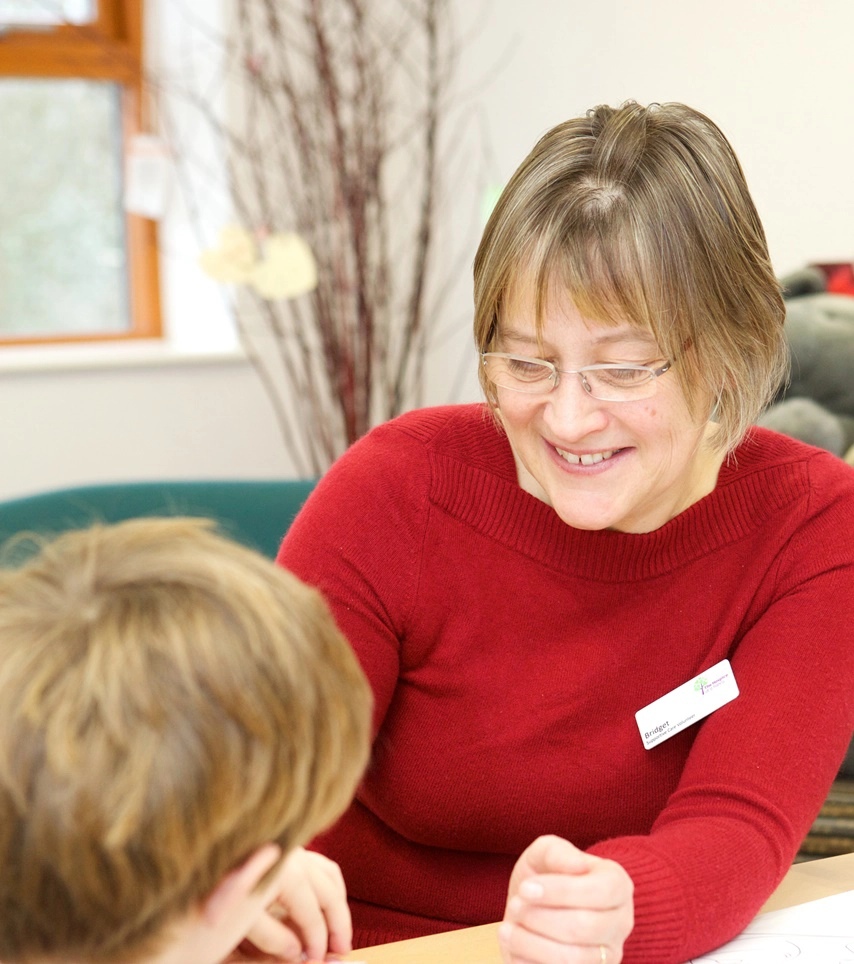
[(687, 704)]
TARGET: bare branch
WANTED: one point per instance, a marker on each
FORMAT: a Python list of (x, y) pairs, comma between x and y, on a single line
[(327, 114)]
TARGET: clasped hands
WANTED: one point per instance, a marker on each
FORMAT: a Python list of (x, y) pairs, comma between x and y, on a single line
[(565, 906)]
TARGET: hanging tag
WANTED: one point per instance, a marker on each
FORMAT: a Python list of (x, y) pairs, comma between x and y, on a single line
[(147, 176)]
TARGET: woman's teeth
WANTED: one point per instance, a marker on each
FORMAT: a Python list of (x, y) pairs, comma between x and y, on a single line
[(586, 459)]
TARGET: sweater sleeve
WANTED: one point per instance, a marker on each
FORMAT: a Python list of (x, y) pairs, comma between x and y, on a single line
[(760, 767), (358, 540)]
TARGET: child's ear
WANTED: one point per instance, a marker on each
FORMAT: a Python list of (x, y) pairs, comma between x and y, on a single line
[(240, 883)]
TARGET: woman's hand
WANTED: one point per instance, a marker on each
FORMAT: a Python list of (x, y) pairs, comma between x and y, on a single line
[(566, 907), (309, 915)]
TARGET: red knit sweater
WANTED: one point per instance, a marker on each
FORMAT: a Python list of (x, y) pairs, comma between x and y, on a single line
[(508, 654)]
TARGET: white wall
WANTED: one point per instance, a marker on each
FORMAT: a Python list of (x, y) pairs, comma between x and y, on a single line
[(777, 76), (161, 421)]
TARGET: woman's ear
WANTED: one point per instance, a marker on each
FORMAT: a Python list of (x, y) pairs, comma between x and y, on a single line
[(240, 883)]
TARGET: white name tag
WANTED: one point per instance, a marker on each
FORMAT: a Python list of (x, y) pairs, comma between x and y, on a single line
[(688, 703)]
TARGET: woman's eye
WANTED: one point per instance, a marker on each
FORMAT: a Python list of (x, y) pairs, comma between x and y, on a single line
[(624, 376), (524, 368)]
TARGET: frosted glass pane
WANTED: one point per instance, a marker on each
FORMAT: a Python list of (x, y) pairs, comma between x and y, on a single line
[(34, 13), (62, 243)]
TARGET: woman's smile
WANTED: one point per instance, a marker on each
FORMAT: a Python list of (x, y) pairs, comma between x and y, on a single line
[(587, 458)]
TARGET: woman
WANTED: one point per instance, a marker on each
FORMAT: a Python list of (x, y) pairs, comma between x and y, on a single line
[(521, 579)]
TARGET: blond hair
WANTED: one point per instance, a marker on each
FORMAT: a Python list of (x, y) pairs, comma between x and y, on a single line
[(643, 215), (169, 702)]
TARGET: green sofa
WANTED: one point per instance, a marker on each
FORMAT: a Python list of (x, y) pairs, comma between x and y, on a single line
[(254, 512)]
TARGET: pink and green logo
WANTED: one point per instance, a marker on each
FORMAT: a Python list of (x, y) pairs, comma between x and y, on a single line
[(701, 684)]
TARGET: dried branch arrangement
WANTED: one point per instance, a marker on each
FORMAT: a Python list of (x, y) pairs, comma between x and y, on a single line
[(328, 118)]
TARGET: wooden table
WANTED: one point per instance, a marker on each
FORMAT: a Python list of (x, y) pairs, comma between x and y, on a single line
[(479, 945)]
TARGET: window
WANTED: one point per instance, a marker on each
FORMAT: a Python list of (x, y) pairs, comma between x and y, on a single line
[(73, 264)]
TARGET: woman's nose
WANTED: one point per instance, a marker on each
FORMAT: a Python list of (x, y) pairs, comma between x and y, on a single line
[(572, 412)]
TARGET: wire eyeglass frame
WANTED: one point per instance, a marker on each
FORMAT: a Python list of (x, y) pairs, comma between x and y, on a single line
[(551, 378)]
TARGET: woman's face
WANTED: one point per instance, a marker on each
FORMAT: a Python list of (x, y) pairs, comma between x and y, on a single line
[(629, 466)]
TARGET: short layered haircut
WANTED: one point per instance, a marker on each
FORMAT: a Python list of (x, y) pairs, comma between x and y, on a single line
[(642, 215), (169, 702)]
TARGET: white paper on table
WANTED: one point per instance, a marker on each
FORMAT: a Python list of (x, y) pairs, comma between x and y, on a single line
[(818, 932)]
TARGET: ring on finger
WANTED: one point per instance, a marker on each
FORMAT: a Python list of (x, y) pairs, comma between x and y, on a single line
[(603, 954)]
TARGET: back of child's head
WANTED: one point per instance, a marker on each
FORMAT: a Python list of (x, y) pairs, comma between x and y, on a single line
[(169, 702)]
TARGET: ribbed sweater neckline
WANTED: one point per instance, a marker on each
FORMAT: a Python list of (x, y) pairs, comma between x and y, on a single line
[(474, 480)]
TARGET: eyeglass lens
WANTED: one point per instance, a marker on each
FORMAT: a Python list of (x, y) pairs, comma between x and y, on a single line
[(537, 377)]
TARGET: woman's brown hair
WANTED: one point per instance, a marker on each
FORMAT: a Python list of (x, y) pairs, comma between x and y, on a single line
[(642, 215)]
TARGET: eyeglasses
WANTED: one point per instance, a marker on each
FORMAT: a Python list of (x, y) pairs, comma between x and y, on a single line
[(535, 376)]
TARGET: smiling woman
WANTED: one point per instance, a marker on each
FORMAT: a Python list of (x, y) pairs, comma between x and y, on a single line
[(524, 581), (73, 264)]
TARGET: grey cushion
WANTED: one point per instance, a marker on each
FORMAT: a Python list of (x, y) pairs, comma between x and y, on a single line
[(820, 330)]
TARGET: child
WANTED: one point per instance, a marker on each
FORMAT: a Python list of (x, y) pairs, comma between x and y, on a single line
[(177, 716)]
